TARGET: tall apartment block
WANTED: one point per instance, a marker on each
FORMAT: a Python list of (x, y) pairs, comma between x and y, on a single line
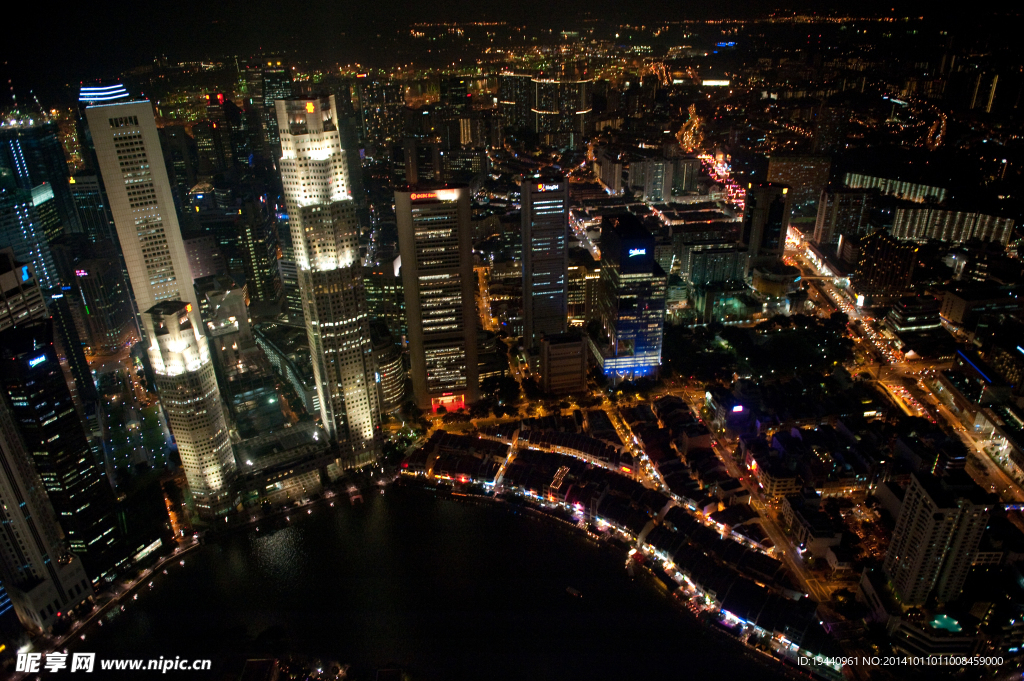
[(936, 538), (807, 177), (434, 239), (842, 212), (325, 238), (132, 166), (765, 222), (545, 233)]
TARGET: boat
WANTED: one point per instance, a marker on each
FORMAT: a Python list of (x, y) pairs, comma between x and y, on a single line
[(573, 592)]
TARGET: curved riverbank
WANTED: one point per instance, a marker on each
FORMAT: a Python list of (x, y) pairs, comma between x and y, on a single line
[(445, 590)]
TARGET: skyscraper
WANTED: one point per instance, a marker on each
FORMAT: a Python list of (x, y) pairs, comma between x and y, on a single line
[(132, 165), (43, 579), (765, 221), (806, 176), (325, 238), (257, 235), (21, 300), (514, 97), (33, 381), (561, 108), (90, 202), (108, 315), (842, 212), (936, 537), (545, 231), (22, 227), (31, 149), (435, 242), (632, 300)]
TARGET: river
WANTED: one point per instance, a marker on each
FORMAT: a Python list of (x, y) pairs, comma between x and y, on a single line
[(445, 588)]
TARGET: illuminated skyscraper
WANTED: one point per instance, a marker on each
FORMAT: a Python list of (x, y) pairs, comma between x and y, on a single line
[(31, 149), (132, 165), (632, 300), (325, 239), (545, 231), (434, 239), (43, 579)]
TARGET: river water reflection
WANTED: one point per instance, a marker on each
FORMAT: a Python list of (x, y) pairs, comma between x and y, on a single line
[(446, 589)]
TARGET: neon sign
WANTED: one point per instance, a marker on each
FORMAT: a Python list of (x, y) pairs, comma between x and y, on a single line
[(36, 361), (637, 251), (310, 107), (423, 196), (737, 409)]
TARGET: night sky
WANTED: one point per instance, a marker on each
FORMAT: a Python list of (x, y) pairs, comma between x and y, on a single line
[(65, 43)]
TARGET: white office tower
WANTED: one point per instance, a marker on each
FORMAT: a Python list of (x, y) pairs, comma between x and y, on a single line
[(43, 579), (132, 165), (325, 236)]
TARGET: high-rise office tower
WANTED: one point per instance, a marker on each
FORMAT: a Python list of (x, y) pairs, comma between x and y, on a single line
[(31, 149), (765, 221), (455, 95), (277, 84), (90, 202), (435, 242), (24, 229), (132, 165), (632, 300), (936, 537), (545, 232), (21, 299), (384, 295), (806, 176), (842, 212), (108, 314), (33, 382), (257, 236), (325, 238), (390, 367), (885, 264), (43, 579)]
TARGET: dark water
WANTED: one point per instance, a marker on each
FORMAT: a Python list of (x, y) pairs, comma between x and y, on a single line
[(446, 589)]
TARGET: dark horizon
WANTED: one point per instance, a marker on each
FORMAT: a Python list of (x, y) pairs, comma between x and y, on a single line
[(324, 33)]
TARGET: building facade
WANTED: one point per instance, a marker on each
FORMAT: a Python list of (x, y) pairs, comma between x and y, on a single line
[(435, 242), (132, 166), (936, 537), (44, 580), (545, 232), (325, 238)]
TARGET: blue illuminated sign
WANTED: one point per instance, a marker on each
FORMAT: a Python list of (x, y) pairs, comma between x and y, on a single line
[(36, 361), (637, 251), (24, 273)]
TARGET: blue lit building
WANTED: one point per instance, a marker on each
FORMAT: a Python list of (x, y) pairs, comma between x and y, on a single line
[(632, 301)]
